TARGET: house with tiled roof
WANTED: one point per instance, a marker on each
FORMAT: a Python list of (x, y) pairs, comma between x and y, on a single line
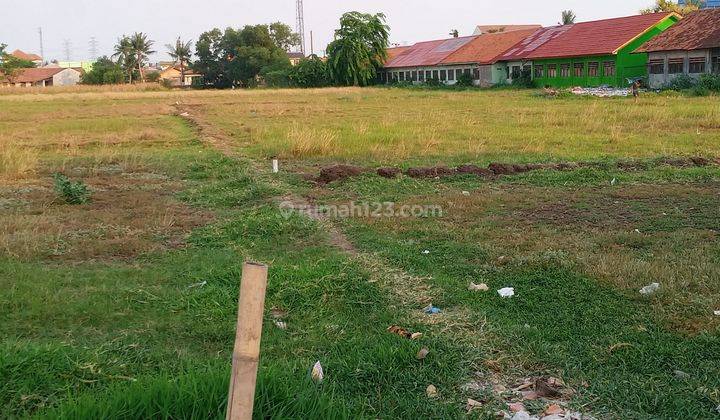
[(42, 76), (22, 55), (691, 47), (447, 60), (592, 53)]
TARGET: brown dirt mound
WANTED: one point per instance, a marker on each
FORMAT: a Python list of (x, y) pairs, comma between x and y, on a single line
[(474, 170), (389, 172), (502, 168), (338, 172), (433, 172)]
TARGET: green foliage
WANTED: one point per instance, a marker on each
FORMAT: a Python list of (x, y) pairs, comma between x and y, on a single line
[(104, 72), (10, 65), (310, 73), (671, 6), (153, 76), (465, 80), (132, 53), (525, 80), (282, 36), (682, 82), (567, 17), (235, 58), (181, 52), (72, 192), (433, 82), (359, 48), (710, 82)]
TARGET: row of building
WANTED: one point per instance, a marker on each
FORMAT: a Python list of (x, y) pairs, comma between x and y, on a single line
[(614, 52)]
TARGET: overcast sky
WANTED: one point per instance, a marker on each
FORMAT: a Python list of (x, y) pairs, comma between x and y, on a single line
[(77, 21)]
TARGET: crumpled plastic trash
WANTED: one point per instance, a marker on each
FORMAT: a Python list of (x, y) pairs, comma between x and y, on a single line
[(717, 313), (507, 292), (432, 310), (317, 373), (426, 252), (198, 285), (280, 324), (650, 289)]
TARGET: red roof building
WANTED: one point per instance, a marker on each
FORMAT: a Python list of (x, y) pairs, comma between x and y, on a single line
[(22, 55), (43, 76)]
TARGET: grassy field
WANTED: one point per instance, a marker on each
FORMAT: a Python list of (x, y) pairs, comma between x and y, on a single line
[(124, 307)]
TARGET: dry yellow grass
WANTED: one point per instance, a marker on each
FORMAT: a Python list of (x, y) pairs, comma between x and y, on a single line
[(16, 161)]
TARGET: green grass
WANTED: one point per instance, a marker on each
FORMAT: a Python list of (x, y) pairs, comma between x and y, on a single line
[(127, 336)]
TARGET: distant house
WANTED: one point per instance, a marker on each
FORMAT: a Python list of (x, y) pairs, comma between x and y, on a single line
[(587, 54), (43, 76), (706, 4), (295, 57), (491, 29), (691, 47), (446, 60), (22, 55), (174, 75)]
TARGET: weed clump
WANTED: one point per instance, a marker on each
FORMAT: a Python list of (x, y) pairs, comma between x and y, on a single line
[(72, 192)]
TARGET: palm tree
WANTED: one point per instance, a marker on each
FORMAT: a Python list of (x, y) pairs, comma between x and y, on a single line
[(141, 49), (123, 52), (454, 33), (181, 53), (568, 17)]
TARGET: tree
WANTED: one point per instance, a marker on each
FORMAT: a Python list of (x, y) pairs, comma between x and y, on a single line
[(454, 33), (283, 37), (141, 49), (567, 17), (104, 72), (310, 73), (181, 52), (123, 53), (359, 48), (11, 66), (670, 6), (237, 57)]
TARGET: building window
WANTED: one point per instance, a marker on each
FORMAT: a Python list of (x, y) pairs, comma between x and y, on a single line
[(435, 75), (656, 66), (451, 74), (402, 76), (697, 65), (414, 76), (476, 74), (609, 68), (443, 75), (538, 71), (421, 75), (552, 70), (579, 69), (676, 65), (428, 74), (593, 68), (467, 71), (515, 72), (564, 70)]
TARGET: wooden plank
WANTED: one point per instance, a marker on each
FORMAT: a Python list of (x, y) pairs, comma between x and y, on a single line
[(246, 353)]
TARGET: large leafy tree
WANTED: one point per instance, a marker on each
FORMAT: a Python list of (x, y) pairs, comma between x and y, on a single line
[(310, 73), (104, 72), (181, 52), (670, 6), (567, 17), (359, 48), (236, 57), (283, 36)]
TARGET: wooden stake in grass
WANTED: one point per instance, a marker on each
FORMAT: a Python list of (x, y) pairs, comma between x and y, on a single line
[(247, 342)]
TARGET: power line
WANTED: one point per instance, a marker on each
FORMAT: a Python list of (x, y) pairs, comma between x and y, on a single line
[(300, 25), (67, 48)]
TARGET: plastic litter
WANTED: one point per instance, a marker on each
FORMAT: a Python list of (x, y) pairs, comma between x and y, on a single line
[(281, 325), (198, 285), (717, 313), (317, 373), (601, 92), (426, 252), (478, 287), (650, 289), (507, 292), (432, 310), (466, 193)]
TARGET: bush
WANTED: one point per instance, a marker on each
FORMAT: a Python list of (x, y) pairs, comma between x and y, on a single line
[(310, 73), (682, 82), (699, 90), (710, 82), (104, 72), (71, 192), (525, 80), (153, 77), (465, 80), (433, 82)]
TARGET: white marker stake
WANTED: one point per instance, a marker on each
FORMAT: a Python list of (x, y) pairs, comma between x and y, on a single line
[(276, 166)]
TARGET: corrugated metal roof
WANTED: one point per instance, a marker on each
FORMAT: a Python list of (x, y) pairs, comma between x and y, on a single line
[(428, 53), (486, 48), (523, 48), (490, 29), (697, 31), (601, 37)]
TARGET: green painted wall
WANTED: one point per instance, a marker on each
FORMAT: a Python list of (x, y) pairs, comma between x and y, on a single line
[(627, 64)]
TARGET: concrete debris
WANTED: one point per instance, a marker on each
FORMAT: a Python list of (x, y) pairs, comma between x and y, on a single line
[(650, 289), (601, 92)]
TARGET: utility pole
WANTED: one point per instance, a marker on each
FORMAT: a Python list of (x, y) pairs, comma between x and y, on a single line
[(67, 47), (93, 49), (42, 51), (300, 25)]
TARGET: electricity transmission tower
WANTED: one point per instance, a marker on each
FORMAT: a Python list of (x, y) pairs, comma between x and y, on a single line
[(93, 48), (67, 47), (300, 25)]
